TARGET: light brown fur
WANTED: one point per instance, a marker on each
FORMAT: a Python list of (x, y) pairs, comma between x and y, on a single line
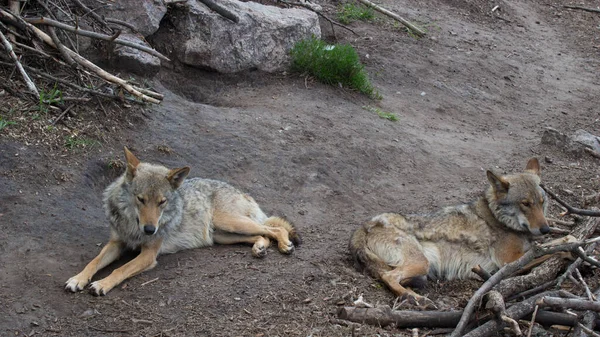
[(495, 229)]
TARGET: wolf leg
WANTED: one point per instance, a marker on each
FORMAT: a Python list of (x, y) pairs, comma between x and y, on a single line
[(260, 243), (395, 277), (146, 260), (244, 225), (107, 255)]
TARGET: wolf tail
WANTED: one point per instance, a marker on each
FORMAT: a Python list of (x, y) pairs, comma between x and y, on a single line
[(276, 221), (364, 258)]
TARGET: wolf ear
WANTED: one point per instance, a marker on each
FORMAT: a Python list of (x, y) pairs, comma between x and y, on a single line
[(500, 184), (132, 164), (176, 176), (533, 166)]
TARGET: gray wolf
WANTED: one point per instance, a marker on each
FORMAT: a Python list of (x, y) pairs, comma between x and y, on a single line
[(158, 210), (495, 229)]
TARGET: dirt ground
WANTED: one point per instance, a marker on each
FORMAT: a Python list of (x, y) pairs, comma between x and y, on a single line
[(476, 93)]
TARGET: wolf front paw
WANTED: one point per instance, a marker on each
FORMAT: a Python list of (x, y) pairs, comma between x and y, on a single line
[(100, 288), (76, 283), (259, 250), (286, 248)]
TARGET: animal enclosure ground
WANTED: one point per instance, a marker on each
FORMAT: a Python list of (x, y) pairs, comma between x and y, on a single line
[(476, 93)]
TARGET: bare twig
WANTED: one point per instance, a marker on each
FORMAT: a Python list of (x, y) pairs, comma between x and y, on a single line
[(509, 269), (571, 303), (570, 210), (484, 274), (395, 16), (532, 321), (224, 12), (331, 21), (61, 47), (587, 330), (123, 23), (50, 22), (593, 10), (8, 47), (91, 13), (592, 153), (148, 282), (63, 114)]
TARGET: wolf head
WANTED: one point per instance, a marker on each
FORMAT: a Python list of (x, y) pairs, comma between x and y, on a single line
[(151, 187), (518, 201)]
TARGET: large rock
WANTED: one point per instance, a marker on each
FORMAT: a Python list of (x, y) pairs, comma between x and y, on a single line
[(576, 143), (135, 60), (144, 15), (261, 39)]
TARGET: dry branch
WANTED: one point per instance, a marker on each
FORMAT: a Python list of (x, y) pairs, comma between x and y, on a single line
[(384, 315), (515, 312), (509, 269), (592, 10), (8, 47), (220, 10), (570, 303), (570, 210), (484, 274), (331, 21), (395, 16), (495, 303), (87, 33), (83, 61)]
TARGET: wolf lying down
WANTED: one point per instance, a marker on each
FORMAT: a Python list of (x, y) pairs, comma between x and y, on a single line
[(491, 231), (156, 209)]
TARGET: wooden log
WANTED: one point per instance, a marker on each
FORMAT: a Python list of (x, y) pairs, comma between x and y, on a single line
[(515, 312), (569, 303), (395, 16), (384, 315)]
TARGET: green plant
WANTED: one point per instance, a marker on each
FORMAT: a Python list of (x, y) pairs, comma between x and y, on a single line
[(53, 96), (4, 123), (72, 142), (383, 114), (332, 64), (351, 12)]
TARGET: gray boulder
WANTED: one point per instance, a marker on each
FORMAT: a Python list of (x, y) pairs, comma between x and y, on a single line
[(135, 60), (144, 15), (261, 39), (575, 143)]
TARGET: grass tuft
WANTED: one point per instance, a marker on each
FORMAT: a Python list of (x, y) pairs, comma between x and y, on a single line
[(383, 114), (332, 64), (351, 12)]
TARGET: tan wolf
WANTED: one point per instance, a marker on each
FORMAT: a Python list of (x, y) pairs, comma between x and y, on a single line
[(157, 210), (491, 231)]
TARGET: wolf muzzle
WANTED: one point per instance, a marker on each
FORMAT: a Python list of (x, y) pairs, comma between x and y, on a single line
[(149, 229)]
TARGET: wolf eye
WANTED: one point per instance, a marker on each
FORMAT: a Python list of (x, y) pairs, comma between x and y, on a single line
[(140, 199), (525, 203), (162, 202)]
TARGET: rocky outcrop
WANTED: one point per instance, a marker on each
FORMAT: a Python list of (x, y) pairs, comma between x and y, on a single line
[(144, 15), (261, 39), (577, 142), (135, 60)]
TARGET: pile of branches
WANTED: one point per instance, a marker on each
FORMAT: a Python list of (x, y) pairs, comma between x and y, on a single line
[(39, 41), (532, 288)]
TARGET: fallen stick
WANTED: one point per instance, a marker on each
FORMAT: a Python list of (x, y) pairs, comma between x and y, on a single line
[(63, 114), (331, 21), (224, 12), (592, 152), (87, 33), (570, 303), (509, 269), (395, 16), (570, 210), (82, 61), (515, 312), (8, 47), (593, 10), (384, 315), (484, 274), (495, 303)]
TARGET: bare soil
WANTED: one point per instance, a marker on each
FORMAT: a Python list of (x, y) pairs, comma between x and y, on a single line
[(476, 93)]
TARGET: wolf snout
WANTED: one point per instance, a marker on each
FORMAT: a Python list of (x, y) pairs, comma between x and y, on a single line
[(545, 229), (149, 229)]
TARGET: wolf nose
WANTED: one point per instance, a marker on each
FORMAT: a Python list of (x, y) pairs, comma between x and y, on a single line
[(545, 229), (149, 229)]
